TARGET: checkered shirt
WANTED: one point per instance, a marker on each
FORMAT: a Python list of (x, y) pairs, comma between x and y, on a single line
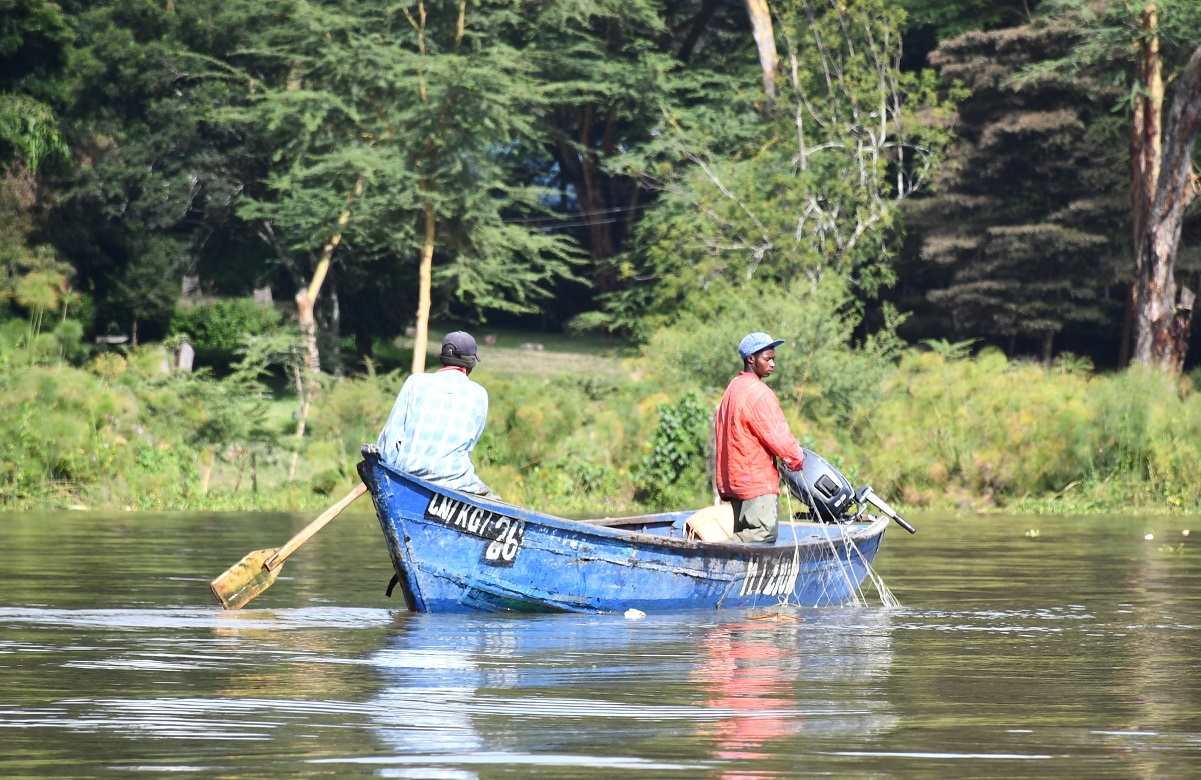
[(434, 425)]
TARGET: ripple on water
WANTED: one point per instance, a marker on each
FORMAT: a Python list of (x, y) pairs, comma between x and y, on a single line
[(1072, 656)]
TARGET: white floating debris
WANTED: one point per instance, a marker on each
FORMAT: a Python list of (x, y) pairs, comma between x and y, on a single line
[(1149, 537), (635, 614), (1184, 532)]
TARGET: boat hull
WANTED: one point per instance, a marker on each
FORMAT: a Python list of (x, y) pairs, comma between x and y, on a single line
[(457, 552)]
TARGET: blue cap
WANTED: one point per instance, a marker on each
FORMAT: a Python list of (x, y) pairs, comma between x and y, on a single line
[(757, 342)]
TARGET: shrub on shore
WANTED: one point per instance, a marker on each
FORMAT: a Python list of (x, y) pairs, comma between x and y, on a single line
[(988, 432), (935, 429)]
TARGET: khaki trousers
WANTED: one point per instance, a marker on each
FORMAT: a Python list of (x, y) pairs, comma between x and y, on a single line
[(756, 519)]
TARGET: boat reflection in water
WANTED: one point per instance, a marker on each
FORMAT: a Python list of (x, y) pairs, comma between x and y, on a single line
[(744, 671), (721, 694)]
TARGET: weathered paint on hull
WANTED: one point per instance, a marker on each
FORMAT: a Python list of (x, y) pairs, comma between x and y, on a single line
[(455, 552)]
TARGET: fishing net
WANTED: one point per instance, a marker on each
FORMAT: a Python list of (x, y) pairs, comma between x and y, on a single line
[(840, 582)]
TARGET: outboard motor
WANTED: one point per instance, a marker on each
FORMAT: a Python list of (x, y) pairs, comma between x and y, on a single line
[(829, 495), (821, 487)]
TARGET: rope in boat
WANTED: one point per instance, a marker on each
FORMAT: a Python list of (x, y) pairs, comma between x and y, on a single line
[(858, 597)]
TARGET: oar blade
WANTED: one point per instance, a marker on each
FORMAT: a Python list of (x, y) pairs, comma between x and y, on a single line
[(245, 580)]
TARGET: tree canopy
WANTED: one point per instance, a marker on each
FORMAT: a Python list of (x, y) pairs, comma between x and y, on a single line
[(1025, 221), (608, 165)]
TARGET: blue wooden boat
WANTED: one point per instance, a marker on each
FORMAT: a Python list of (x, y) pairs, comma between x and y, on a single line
[(457, 552)]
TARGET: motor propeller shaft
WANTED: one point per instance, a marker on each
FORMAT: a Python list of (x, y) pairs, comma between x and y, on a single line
[(867, 495)]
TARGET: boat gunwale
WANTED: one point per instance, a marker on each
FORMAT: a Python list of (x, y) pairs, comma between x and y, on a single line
[(856, 532)]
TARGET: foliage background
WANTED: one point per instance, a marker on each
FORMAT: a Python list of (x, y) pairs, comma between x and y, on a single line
[(614, 187)]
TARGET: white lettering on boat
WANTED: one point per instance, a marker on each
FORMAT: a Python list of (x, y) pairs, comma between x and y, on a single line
[(504, 534), (771, 576)]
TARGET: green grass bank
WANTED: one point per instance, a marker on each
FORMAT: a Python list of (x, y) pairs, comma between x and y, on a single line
[(591, 427)]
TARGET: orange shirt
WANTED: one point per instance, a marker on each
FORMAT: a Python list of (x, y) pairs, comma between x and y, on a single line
[(750, 428)]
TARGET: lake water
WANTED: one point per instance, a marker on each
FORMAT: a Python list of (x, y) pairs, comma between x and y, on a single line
[(1031, 646)]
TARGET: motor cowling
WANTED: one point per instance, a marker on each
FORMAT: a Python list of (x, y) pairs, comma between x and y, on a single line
[(821, 487)]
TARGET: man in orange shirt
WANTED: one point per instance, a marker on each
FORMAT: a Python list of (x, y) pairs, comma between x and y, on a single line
[(750, 432)]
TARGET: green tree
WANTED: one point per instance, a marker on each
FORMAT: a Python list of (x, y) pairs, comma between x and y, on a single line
[(396, 130), (153, 176), (605, 77), (33, 48), (1023, 225), (950, 18), (614, 65)]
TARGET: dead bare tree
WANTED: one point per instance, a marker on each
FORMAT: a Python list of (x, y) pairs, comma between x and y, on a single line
[(1163, 184), (846, 101), (861, 118)]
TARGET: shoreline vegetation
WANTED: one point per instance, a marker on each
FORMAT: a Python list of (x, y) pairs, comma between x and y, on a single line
[(217, 217), (589, 426)]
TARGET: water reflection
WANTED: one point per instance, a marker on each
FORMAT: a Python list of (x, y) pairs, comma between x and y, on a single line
[(1075, 653), (527, 688), (744, 672)]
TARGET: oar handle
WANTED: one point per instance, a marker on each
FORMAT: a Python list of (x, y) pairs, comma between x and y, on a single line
[(277, 560)]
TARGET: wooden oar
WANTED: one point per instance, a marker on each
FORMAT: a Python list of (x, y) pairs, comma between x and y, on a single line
[(252, 575)]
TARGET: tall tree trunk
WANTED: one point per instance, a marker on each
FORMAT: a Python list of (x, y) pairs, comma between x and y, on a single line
[(697, 25), (1162, 187), (765, 40), (306, 300), (428, 166), (1146, 126), (580, 165), (424, 282), (308, 329), (1149, 299), (335, 332)]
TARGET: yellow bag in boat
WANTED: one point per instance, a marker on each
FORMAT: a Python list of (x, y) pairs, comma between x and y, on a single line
[(711, 524)]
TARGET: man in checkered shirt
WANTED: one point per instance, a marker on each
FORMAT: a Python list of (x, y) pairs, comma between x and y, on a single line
[(437, 420)]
